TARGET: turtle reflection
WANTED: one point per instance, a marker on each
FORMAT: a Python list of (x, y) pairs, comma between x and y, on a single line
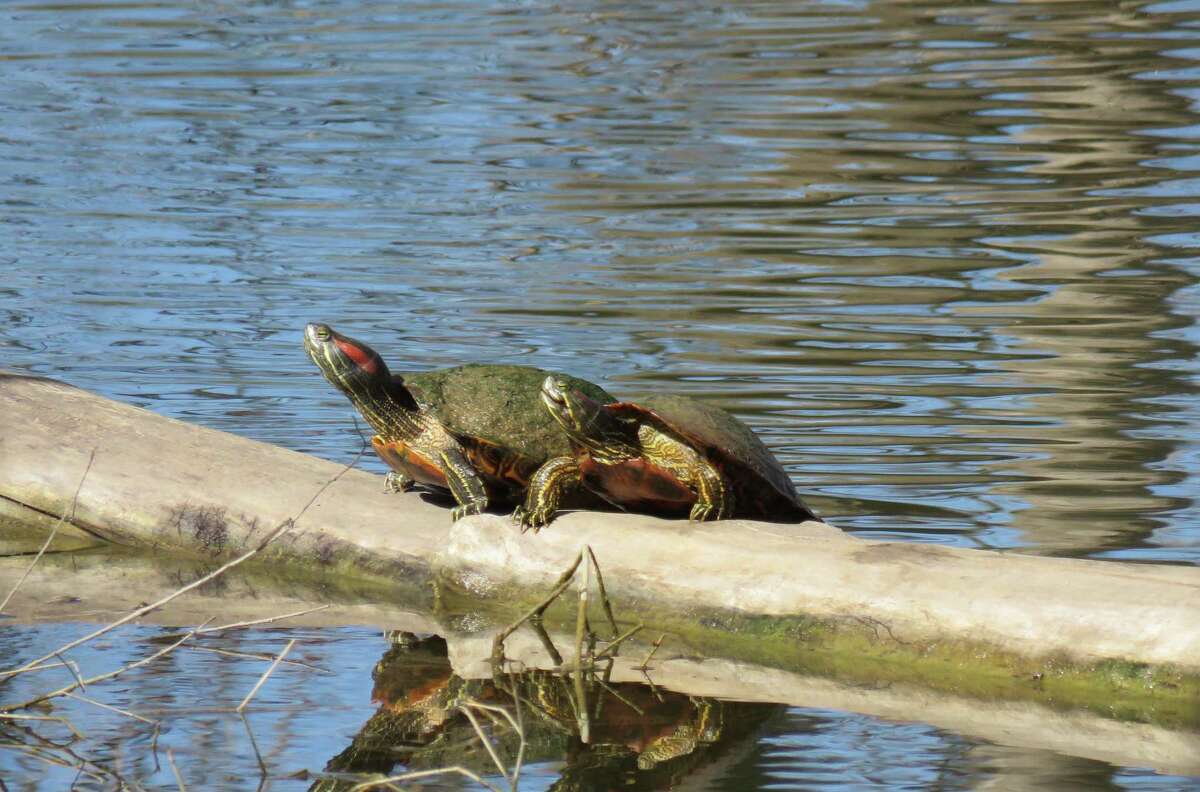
[(641, 737)]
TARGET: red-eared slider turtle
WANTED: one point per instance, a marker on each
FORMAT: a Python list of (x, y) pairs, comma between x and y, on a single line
[(479, 431), (666, 454)]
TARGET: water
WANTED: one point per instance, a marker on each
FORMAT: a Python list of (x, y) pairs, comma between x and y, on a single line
[(941, 256)]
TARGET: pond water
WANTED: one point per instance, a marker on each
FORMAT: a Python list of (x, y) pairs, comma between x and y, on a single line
[(942, 256)]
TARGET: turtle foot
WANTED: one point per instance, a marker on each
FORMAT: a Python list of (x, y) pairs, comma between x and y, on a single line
[(466, 510), (397, 482), (535, 518), (707, 512)]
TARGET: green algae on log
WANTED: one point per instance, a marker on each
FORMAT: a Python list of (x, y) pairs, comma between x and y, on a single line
[(866, 652)]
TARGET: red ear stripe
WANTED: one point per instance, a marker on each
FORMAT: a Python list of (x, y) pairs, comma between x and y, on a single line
[(367, 361)]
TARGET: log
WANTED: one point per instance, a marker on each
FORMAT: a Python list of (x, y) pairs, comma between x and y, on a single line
[(169, 486)]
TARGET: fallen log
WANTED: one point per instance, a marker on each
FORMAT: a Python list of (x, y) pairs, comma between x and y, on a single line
[(169, 486)]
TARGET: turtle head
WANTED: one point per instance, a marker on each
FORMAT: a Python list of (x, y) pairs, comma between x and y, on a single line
[(350, 366), (360, 373), (584, 419)]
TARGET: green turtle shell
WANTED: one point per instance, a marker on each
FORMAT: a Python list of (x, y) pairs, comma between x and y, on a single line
[(499, 404), (762, 487)]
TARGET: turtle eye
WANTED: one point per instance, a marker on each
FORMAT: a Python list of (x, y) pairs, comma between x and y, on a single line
[(323, 333)]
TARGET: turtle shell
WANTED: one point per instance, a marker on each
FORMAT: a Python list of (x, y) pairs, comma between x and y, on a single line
[(498, 405), (760, 485)]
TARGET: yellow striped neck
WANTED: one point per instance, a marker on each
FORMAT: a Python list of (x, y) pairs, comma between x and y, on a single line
[(388, 415)]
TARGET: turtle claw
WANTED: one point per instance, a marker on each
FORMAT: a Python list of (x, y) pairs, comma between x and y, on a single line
[(465, 510), (397, 482), (703, 511), (535, 518)]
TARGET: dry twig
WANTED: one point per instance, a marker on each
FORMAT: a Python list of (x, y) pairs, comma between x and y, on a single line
[(536, 612), (5, 674), (268, 620), (99, 678), (266, 674), (111, 708), (487, 744), (262, 766), (64, 721), (175, 770), (390, 780), (517, 725), (256, 656), (581, 627), (608, 611), (646, 663), (613, 645)]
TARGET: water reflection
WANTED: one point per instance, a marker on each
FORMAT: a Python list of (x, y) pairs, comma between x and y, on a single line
[(641, 737), (942, 256)]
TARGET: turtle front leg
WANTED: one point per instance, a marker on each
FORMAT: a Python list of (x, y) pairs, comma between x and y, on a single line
[(546, 489), (465, 484), (714, 500)]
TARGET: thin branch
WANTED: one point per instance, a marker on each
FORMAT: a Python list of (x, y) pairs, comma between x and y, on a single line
[(421, 774), (92, 768), (547, 644), (268, 620), (4, 674), (646, 663), (581, 627), (262, 766), (519, 721), (61, 719), (612, 647), (256, 656), (73, 667), (99, 678), (514, 721), (69, 513), (608, 611), (175, 770), (501, 711), (154, 746), (147, 608), (487, 744), (51, 759), (536, 611), (268, 673), (621, 698), (111, 708)]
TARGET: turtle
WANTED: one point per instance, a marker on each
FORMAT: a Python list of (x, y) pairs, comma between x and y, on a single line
[(477, 430), (666, 454)]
